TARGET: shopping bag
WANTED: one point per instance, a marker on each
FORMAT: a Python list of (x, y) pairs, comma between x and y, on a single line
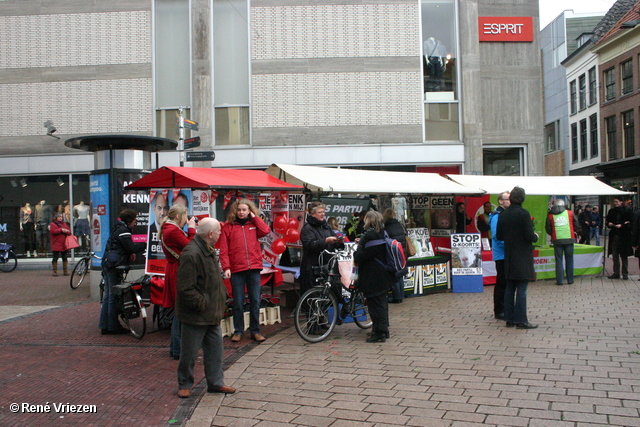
[(71, 242)]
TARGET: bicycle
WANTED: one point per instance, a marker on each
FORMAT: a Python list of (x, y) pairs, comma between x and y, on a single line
[(80, 272), (133, 298), (8, 258), (317, 312)]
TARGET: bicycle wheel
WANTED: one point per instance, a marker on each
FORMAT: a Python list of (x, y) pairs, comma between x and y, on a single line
[(79, 273), (315, 315), (137, 325), (360, 311), (9, 263)]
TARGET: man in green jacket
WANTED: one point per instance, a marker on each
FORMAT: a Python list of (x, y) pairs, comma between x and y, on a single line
[(200, 306)]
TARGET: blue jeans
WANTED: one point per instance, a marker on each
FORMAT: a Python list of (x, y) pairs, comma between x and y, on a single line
[(109, 311), (250, 278), (595, 232), (558, 251), (515, 301)]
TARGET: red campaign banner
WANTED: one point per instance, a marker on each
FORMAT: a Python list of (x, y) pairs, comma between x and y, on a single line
[(156, 266), (505, 28), (227, 199)]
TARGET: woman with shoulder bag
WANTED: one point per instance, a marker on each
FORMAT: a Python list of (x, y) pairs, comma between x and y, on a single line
[(58, 232), (373, 279), (173, 239)]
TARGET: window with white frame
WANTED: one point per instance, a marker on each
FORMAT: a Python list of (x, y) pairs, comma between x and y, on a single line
[(626, 76), (593, 130), (628, 130), (612, 137), (582, 91), (574, 142), (572, 97), (609, 84), (593, 86)]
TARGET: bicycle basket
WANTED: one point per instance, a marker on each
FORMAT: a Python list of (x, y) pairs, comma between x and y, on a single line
[(5, 247), (126, 300)]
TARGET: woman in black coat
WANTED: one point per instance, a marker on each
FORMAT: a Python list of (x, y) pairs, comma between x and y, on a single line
[(316, 236), (395, 230), (373, 279)]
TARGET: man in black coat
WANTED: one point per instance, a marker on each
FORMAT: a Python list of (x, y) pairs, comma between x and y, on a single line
[(619, 221), (316, 236), (515, 229)]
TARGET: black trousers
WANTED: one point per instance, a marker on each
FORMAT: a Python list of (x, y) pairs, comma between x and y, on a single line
[(379, 312), (498, 289)]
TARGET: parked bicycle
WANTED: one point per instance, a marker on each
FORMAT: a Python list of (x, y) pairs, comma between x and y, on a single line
[(81, 270), (8, 258), (133, 299), (318, 311)]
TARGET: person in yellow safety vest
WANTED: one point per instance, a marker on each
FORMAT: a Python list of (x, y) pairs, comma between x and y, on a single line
[(561, 225)]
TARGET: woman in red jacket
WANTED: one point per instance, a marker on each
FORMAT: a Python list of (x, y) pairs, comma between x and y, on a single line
[(241, 259), (174, 239), (59, 231)]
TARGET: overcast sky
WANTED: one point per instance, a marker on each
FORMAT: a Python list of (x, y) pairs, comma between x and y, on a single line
[(550, 9)]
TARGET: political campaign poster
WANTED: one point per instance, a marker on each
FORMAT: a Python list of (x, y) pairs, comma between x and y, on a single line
[(466, 254), (443, 216), (421, 241), (344, 208), (161, 200)]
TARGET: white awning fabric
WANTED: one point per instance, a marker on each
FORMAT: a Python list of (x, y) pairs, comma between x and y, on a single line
[(540, 185), (358, 181)]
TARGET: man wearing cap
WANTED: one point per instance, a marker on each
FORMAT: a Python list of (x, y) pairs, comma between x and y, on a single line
[(561, 225)]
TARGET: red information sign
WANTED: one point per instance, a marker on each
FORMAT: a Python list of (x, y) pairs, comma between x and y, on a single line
[(505, 28)]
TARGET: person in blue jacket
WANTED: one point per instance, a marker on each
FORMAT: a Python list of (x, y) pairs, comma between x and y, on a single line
[(497, 249)]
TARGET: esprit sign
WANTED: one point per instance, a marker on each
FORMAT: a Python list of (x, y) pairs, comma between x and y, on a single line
[(505, 28)]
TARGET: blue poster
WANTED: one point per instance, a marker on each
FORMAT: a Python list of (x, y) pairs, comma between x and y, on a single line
[(100, 223)]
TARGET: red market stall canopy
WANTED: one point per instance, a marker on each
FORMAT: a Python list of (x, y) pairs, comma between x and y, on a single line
[(358, 181), (540, 185), (235, 179)]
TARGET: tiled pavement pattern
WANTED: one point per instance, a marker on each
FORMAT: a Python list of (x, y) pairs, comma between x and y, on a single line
[(450, 363), (57, 355)]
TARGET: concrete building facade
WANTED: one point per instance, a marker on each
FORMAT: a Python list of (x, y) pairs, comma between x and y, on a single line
[(392, 84)]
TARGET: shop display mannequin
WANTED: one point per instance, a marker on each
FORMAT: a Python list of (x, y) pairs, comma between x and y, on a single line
[(435, 54), (27, 227), (81, 228), (399, 206), (43, 217)]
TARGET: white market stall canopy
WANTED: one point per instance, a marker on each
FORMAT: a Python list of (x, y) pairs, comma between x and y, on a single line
[(358, 181), (540, 185)]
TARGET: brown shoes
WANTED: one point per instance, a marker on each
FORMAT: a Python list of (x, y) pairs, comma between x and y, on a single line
[(224, 389), (183, 393), (236, 337), (258, 337)]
